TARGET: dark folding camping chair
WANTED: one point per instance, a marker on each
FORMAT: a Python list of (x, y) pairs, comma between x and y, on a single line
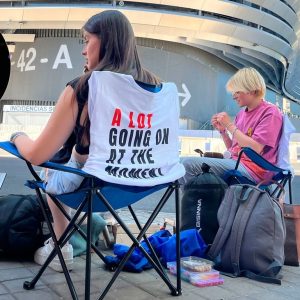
[(98, 195)]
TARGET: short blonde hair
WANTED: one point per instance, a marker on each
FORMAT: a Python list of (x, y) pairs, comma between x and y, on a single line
[(247, 80)]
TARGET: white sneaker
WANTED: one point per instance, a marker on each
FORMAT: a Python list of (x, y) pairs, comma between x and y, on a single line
[(42, 254)]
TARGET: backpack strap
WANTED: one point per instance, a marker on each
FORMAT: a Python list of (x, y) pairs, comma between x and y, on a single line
[(228, 208), (247, 203), (274, 268), (269, 276)]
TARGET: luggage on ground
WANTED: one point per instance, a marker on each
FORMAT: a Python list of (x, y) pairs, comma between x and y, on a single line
[(291, 212), (20, 225), (251, 236), (201, 199)]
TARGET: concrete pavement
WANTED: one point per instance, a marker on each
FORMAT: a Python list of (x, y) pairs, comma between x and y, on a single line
[(145, 285)]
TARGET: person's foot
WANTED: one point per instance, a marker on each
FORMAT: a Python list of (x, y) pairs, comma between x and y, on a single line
[(42, 254)]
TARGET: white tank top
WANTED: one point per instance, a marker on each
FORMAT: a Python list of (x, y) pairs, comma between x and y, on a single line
[(133, 132)]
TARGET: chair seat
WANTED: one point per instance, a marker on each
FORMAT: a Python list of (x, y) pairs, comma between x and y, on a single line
[(119, 195)]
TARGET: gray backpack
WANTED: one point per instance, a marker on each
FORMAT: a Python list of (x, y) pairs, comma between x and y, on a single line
[(251, 235)]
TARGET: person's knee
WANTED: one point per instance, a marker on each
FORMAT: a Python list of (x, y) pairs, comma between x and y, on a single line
[(187, 162)]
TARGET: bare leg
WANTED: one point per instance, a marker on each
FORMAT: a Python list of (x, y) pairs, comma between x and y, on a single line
[(62, 183), (60, 222)]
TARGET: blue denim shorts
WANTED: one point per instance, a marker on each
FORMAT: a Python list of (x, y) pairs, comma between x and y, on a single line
[(60, 182)]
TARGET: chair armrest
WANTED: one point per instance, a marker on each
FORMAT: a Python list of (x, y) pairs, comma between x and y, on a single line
[(258, 160), (12, 149)]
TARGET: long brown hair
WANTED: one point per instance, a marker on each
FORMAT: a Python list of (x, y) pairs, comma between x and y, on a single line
[(118, 50)]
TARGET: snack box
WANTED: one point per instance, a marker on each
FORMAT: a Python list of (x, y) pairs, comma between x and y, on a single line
[(190, 276), (209, 282), (196, 264), (199, 279)]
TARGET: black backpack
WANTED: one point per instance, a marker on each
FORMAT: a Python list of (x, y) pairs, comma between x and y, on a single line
[(21, 221), (202, 196)]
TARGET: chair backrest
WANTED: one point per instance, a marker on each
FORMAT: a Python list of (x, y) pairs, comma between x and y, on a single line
[(283, 161), (134, 132)]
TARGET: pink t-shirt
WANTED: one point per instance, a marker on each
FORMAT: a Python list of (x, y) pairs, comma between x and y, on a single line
[(264, 125)]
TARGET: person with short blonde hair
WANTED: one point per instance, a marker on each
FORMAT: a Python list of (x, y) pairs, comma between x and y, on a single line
[(247, 80), (250, 128)]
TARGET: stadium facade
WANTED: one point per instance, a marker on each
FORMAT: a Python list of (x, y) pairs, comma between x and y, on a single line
[(198, 44)]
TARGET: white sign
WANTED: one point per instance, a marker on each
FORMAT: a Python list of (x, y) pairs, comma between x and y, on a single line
[(28, 108), (2, 177), (27, 59), (186, 95)]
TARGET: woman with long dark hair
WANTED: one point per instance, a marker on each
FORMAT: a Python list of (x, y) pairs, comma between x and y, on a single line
[(110, 45)]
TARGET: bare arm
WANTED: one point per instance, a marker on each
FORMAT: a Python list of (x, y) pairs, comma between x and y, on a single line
[(55, 133), (226, 139), (245, 140), (222, 129), (242, 139)]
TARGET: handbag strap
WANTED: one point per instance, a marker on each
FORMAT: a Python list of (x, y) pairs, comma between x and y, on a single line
[(291, 216)]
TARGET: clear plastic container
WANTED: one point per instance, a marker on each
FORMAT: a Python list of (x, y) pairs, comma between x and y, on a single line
[(190, 276), (196, 264)]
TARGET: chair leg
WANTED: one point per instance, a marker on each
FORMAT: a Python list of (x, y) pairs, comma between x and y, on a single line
[(156, 259), (77, 226), (71, 228), (88, 248), (178, 225), (28, 285), (136, 241), (290, 189)]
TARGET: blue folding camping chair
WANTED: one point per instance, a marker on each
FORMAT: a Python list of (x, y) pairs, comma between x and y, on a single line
[(282, 176), (93, 197), (147, 168)]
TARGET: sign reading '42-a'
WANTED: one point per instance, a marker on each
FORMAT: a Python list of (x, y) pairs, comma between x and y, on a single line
[(27, 59), (40, 70)]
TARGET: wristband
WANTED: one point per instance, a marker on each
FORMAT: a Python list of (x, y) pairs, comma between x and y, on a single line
[(222, 131), (15, 135), (233, 132)]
